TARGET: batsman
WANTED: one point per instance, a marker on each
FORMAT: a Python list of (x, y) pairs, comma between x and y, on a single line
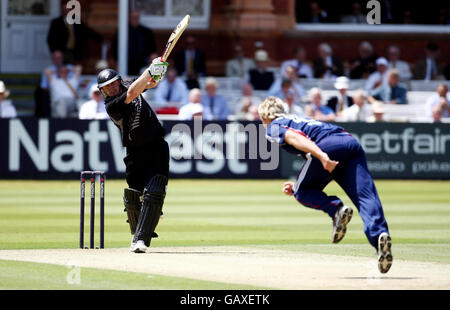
[(147, 153)]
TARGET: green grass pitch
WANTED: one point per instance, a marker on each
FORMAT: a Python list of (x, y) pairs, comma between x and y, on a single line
[(45, 215)]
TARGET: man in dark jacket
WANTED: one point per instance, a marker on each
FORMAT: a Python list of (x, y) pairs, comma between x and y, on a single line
[(327, 66), (70, 38), (190, 63), (342, 100), (141, 43)]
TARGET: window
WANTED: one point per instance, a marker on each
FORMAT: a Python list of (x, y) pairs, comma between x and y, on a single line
[(161, 14), (28, 7)]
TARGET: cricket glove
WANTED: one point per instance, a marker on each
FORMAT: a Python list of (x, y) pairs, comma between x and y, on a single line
[(157, 69)]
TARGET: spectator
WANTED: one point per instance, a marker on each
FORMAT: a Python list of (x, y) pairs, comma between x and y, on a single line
[(291, 107), (42, 93), (141, 43), (57, 62), (440, 99), (436, 114), (444, 15), (428, 69), (194, 108), (393, 92), (239, 65), (342, 100), (215, 107), (7, 110), (260, 77), (316, 13), (362, 67), (190, 63), (291, 80), (327, 66), (379, 77), (356, 17), (309, 111), (378, 112), (170, 94), (94, 108), (246, 101), (70, 38), (252, 114), (320, 112), (63, 92), (359, 112), (395, 63), (300, 64), (243, 108), (407, 17), (99, 66)]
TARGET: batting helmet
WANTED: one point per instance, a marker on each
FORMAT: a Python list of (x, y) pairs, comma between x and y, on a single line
[(106, 77)]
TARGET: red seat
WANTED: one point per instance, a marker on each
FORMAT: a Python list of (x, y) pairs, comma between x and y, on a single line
[(167, 110)]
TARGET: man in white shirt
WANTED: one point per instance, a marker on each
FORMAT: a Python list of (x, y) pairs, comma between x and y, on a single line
[(379, 77), (57, 62), (63, 92), (242, 104), (171, 92), (360, 111), (7, 110), (239, 65), (194, 108), (290, 106), (299, 63), (442, 99), (94, 108), (395, 63), (378, 111)]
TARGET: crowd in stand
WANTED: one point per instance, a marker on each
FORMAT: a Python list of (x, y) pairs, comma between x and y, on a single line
[(355, 12), (181, 93)]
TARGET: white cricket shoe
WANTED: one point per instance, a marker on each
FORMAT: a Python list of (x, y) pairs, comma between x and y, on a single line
[(138, 247), (384, 252), (341, 219)]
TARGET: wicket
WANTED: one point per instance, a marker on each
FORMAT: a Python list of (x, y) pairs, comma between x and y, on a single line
[(92, 175)]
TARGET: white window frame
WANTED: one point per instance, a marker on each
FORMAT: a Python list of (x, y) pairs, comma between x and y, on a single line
[(169, 21)]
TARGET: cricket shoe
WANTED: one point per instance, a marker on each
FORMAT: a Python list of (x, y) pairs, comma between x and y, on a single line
[(384, 252), (138, 247), (341, 219)]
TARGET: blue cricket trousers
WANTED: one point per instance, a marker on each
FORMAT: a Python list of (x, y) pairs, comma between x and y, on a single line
[(351, 174)]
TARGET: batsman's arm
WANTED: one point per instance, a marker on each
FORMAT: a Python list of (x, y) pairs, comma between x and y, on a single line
[(138, 86), (303, 144), (148, 79)]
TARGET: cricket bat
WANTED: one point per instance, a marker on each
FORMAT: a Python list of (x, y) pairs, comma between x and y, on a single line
[(175, 35)]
